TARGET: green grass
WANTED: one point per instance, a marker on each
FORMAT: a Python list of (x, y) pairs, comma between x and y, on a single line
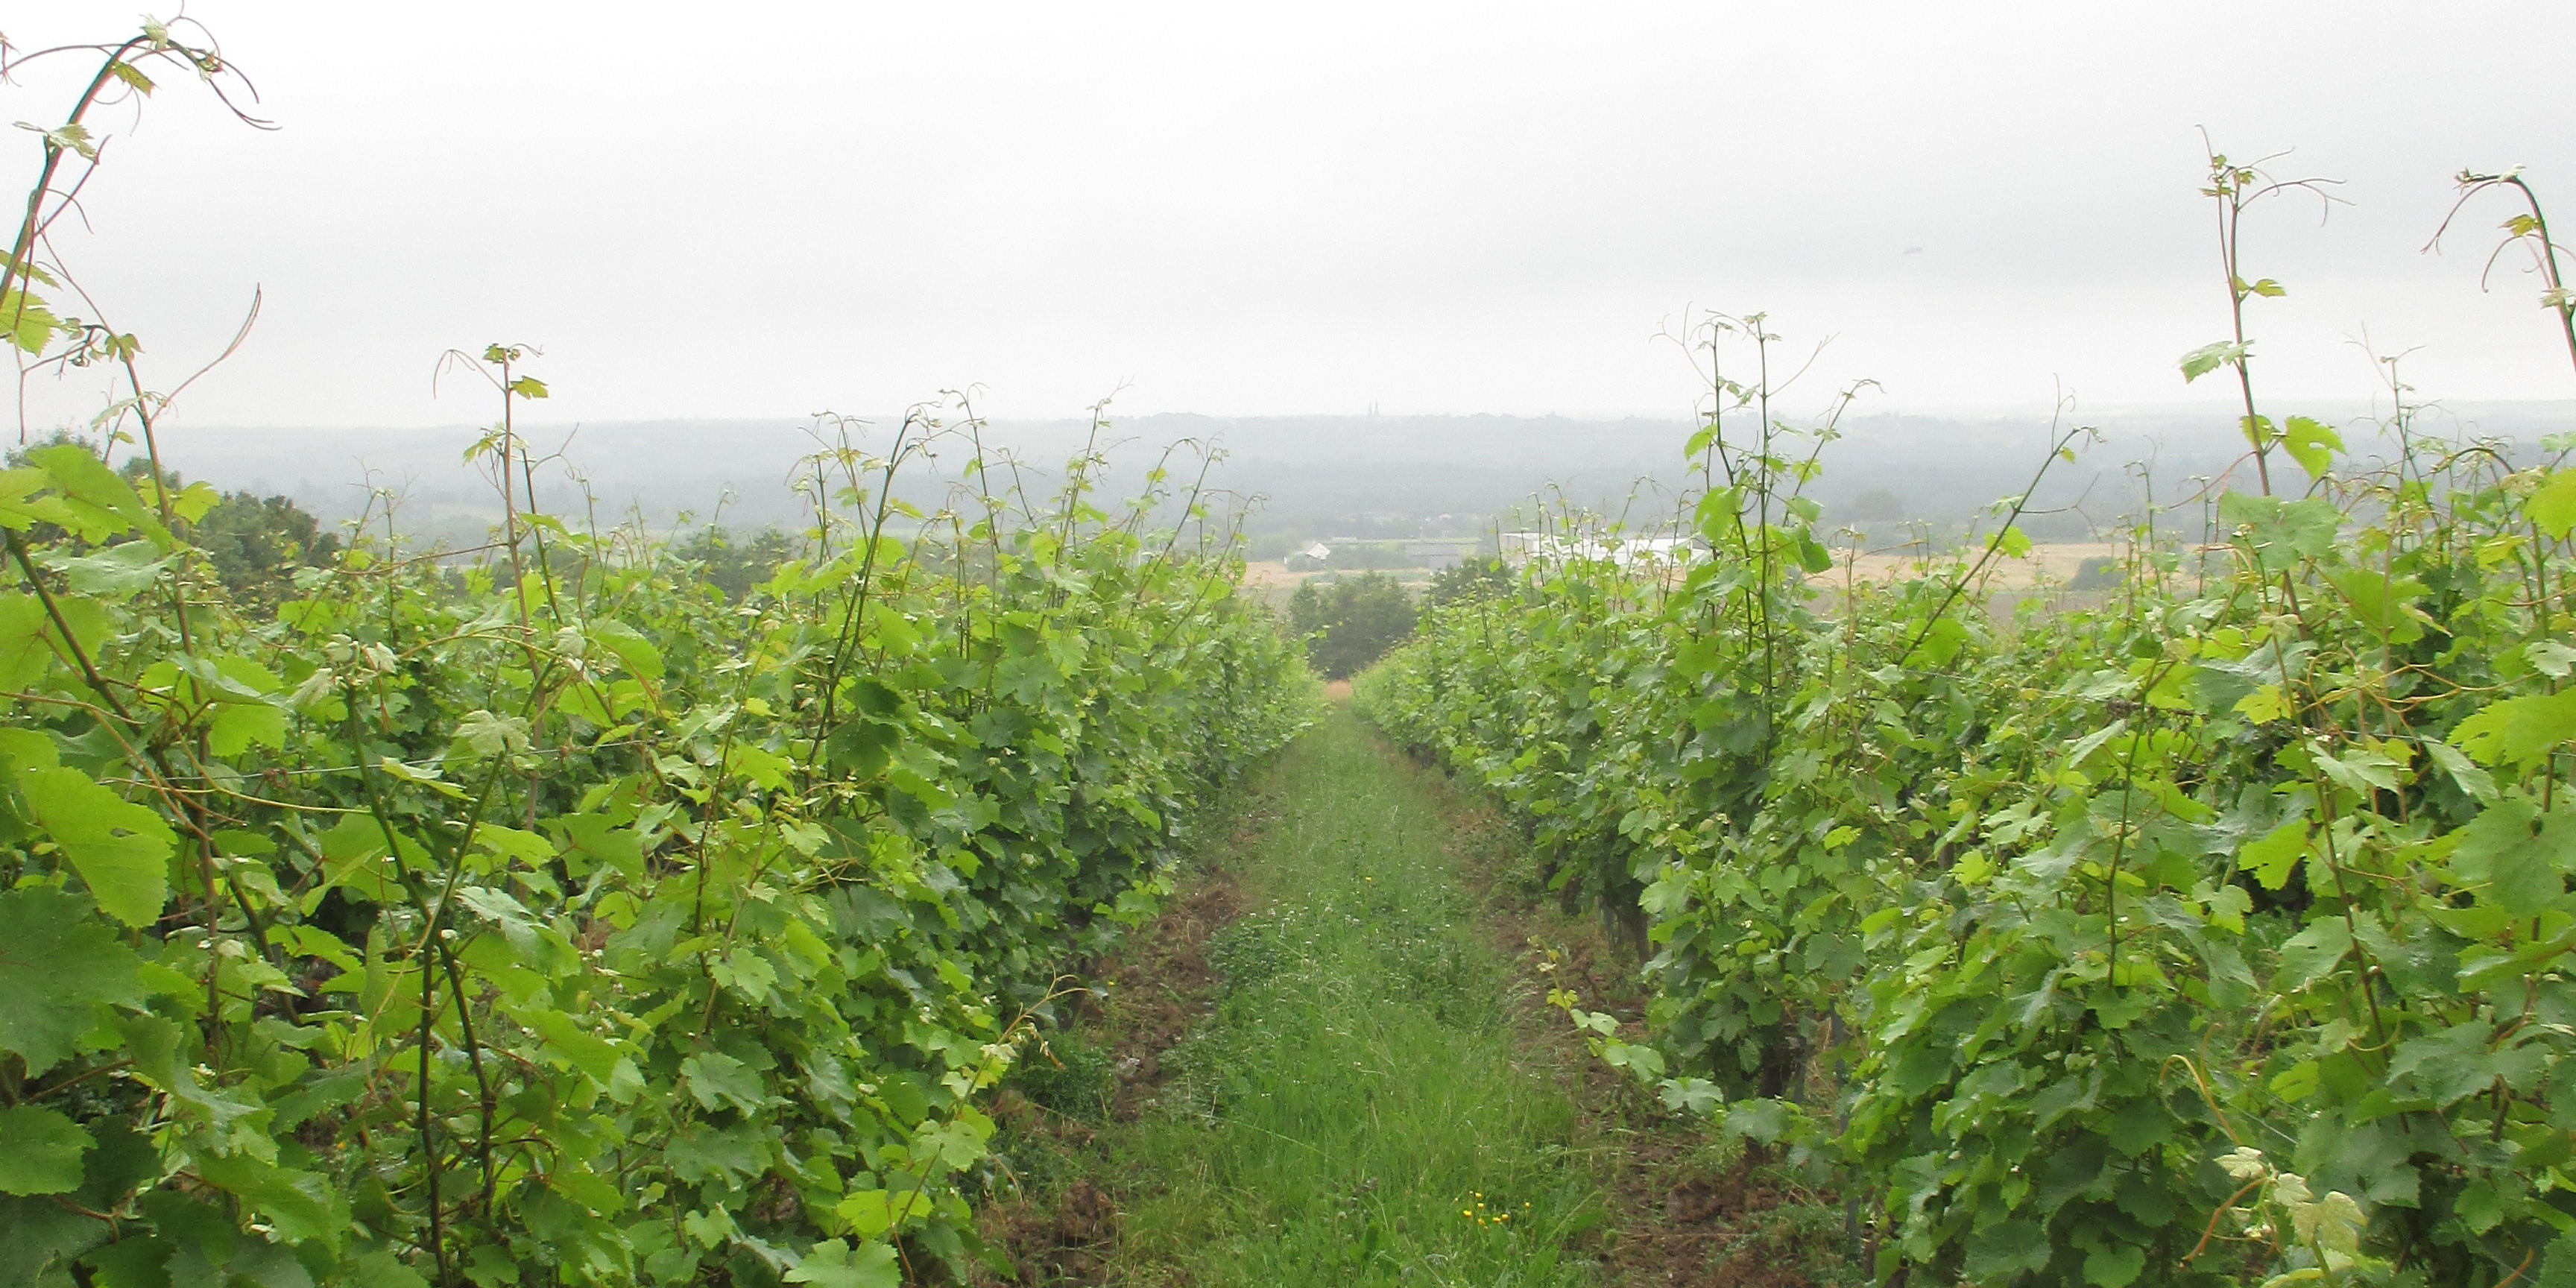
[(1365, 1105)]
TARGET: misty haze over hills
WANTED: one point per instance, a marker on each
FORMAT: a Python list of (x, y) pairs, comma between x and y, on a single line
[(1317, 475)]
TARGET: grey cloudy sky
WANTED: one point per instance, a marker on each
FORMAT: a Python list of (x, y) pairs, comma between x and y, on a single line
[(765, 209)]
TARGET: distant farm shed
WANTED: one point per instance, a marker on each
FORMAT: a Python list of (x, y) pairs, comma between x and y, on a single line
[(1438, 555), (1521, 548)]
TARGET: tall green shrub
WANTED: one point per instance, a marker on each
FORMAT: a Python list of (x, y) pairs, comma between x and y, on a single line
[(1351, 621)]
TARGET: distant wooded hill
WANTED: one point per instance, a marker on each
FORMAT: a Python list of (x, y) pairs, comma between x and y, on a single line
[(1363, 475)]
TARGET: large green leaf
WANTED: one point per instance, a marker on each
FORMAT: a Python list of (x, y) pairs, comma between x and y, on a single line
[(834, 1264), (60, 969), (120, 849), (2311, 443), (861, 746), (588, 1052), (385, 1270), (2311, 954), (2272, 857), (21, 508), (238, 725), (301, 1206), (116, 573), (24, 651), (2385, 606), (97, 504), (2553, 506), (2450, 1065), (27, 322), (2559, 1270), (2114, 1266), (2518, 732), (719, 1081), (2007, 1249), (2280, 533), (43, 1154), (482, 736), (600, 839), (39, 1237), (2516, 858)]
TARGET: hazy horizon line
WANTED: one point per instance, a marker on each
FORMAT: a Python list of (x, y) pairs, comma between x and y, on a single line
[(1944, 411)]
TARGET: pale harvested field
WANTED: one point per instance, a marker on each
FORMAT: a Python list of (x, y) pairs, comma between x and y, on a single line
[(1270, 574), (2055, 562)]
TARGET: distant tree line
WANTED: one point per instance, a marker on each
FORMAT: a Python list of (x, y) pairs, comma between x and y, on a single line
[(256, 544), (1350, 622), (1484, 577), (735, 564)]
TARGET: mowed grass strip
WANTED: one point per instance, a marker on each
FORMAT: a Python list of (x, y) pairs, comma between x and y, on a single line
[(1366, 1104)]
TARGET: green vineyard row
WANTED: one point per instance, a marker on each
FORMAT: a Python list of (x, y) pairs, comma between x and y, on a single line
[(2217, 931), (579, 925)]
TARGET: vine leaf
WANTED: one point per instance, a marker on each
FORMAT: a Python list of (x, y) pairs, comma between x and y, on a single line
[(2520, 732), (116, 573), (2210, 357), (2007, 1247), (60, 969), (44, 1154), (24, 652), (2280, 533), (303, 1207), (2311, 443), (860, 746), (2271, 858), (2477, 783), (2384, 605), (482, 735), (29, 324), (2553, 507), (719, 1081), (2309, 954), (2560, 1269), (2516, 855), (630, 646), (2332, 1223), (91, 500), (1812, 555), (2450, 1065), (120, 849), (595, 1056), (2114, 1266), (381, 1269), (833, 1264)]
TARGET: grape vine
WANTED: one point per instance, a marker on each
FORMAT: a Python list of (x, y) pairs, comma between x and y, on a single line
[(2216, 931)]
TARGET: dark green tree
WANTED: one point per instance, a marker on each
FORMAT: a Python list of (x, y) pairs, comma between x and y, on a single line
[(1351, 622), (1468, 580), (257, 542), (732, 565)]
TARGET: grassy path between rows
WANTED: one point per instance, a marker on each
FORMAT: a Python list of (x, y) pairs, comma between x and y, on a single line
[(1361, 1098)]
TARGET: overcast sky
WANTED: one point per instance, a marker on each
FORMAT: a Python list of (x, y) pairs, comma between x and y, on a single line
[(760, 209)]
